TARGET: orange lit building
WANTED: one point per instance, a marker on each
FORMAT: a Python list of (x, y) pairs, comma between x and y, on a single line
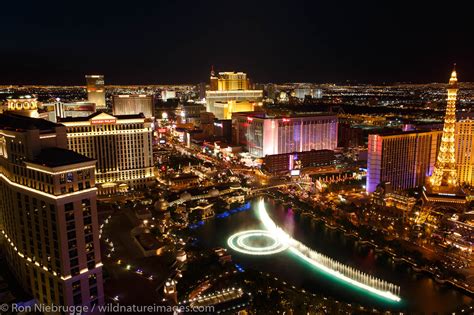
[(96, 90), (230, 92), (25, 105), (465, 151)]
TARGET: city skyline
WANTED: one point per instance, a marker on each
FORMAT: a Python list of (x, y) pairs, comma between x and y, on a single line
[(318, 42), (219, 157)]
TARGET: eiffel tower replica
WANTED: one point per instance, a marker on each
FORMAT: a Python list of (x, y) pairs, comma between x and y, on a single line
[(443, 190)]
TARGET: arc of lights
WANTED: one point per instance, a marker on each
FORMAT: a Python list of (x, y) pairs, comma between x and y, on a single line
[(282, 241)]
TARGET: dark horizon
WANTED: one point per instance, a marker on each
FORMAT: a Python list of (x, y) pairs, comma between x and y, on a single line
[(176, 43)]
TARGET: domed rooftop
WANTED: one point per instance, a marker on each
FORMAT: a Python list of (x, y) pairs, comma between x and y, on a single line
[(161, 205), (214, 193), (185, 196)]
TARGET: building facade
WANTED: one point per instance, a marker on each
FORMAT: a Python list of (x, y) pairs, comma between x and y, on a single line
[(25, 105), (230, 92), (122, 146), (262, 135), (465, 151), (48, 213), (190, 112), (288, 161), (229, 81), (403, 159), (133, 104), (167, 94), (62, 110), (303, 92), (96, 91)]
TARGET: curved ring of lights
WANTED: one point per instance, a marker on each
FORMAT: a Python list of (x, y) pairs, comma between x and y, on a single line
[(238, 243), (282, 241)]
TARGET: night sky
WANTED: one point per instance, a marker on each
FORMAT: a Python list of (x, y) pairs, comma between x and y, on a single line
[(165, 42)]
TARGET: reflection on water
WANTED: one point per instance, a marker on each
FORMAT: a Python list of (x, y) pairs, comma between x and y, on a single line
[(418, 292)]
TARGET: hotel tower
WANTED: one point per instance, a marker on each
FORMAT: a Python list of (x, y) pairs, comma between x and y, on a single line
[(231, 92), (96, 91), (48, 213), (122, 146)]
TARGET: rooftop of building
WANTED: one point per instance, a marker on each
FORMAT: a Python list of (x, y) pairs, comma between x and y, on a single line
[(72, 119), (54, 157), (94, 76), (132, 95), (10, 121), (263, 115), (303, 153), (148, 241), (16, 96), (465, 115), (396, 132), (183, 176), (231, 73)]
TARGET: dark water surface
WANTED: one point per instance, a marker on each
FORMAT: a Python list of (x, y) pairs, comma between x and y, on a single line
[(418, 292)]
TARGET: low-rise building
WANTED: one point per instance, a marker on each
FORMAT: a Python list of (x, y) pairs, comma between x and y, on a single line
[(288, 161)]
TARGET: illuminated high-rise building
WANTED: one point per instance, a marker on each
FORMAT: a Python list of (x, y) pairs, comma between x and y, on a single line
[(122, 146), (402, 159), (48, 213), (96, 91), (132, 104), (230, 92), (465, 151), (167, 95), (263, 135), (229, 81)]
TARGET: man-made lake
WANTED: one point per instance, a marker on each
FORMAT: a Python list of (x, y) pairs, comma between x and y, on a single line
[(418, 292)]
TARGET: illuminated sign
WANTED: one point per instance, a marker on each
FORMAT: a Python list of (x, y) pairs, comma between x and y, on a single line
[(103, 121), (295, 173), (88, 108), (162, 130)]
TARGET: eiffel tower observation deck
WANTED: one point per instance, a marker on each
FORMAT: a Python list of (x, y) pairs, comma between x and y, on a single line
[(443, 185)]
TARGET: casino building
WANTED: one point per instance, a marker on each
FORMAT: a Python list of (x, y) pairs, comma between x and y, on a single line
[(231, 92), (131, 104), (23, 104), (122, 146), (59, 109), (263, 135), (404, 159), (48, 213)]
